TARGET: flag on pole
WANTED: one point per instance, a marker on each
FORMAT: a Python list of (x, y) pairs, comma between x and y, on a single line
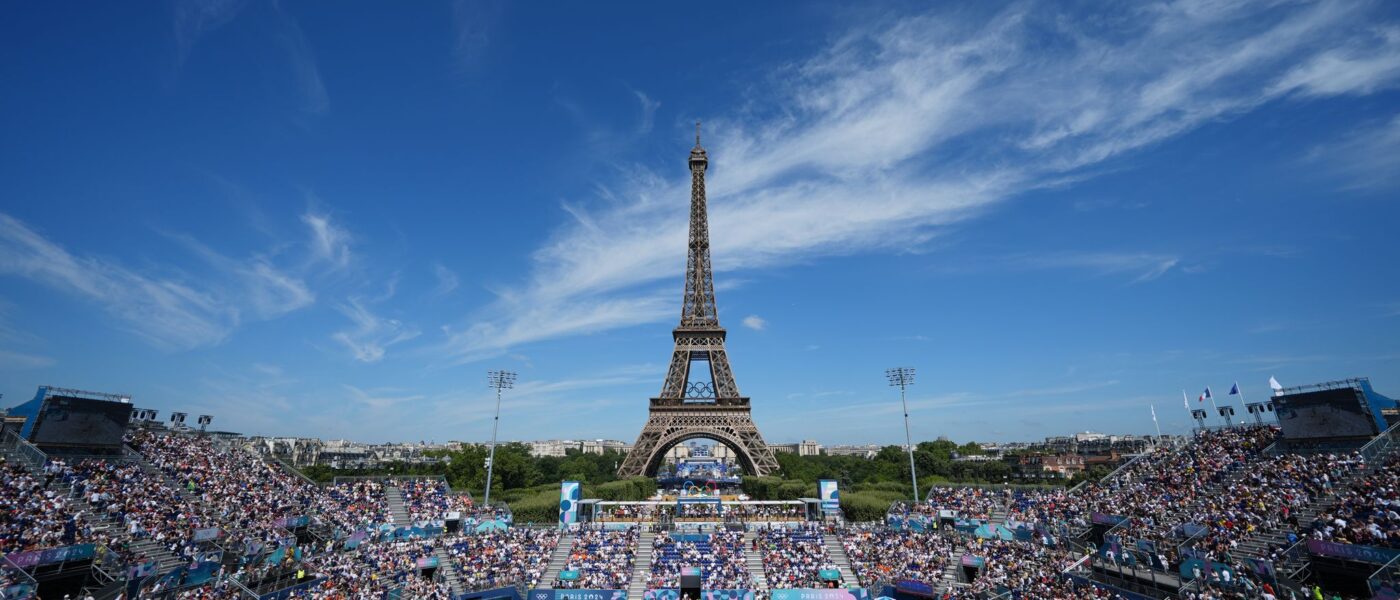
[(1154, 412), (1235, 389), (1204, 395), (1273, 383), (1184, 402)]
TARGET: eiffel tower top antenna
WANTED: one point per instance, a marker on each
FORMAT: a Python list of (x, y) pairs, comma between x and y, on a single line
[(697, 133)]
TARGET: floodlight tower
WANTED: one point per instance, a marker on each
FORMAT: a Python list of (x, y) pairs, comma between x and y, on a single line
[(499, 380), (903, 377)]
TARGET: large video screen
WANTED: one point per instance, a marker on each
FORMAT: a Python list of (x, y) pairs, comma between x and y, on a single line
[(1323, 414), (65, 421)]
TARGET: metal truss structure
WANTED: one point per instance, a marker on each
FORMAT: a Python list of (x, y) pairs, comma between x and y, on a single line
[(690, 408)]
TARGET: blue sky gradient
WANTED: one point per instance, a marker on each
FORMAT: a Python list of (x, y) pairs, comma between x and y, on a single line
[(332, 220)]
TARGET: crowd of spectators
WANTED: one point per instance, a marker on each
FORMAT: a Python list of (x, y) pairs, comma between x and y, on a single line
[(602, 558), (242, 491), (967, 502), (428, 502), (880, 554), (504, 557), (720, 557), (1367, 512), (357, 504), (793, 558), (34, 515)]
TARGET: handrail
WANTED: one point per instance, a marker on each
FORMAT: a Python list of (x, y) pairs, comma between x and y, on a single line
[(1389, 572), (27, 452), (294, 471), (1382, 441)]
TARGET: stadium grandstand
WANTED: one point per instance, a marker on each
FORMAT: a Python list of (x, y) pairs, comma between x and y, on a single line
[(1266, 510)]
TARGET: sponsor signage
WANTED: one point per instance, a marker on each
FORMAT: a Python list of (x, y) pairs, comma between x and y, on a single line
[(1370, 554)]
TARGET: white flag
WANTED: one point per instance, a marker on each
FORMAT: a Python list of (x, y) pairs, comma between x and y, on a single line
[(1154, 412), (1273, 383), (1184, 402)]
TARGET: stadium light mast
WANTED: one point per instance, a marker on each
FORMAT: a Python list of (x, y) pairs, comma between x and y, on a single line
[(499, 380), (903, 377)]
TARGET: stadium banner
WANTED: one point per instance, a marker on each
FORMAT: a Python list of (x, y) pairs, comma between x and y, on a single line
[(49, 556), (578, 594), (206, 534), (969, 560), (200, 572), (1370, 554), (690, 537), (829, 494), (1106, 519), (292, 522), (1262, 568), (726, 595), (427, 562), (820, 594), (1195, 568), (829, 574), (570, 492), (913, 587), (356, 539), (661, 594), (569, 575)]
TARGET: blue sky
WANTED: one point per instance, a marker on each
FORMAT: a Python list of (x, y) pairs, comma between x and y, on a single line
[(331, 221)]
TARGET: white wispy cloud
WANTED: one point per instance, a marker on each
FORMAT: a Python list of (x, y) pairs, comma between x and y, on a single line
[(166, 311), (1143, 266), (649, 107), (21, 361), (329, 242), (904, 127), (306, 75), (472, 24), (371, 335), (1367, 158), (380, 398), (194, 18), (755, 322), (446, 280), (170, 308)]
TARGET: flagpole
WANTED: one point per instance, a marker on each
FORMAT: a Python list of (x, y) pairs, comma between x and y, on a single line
[(1155, 423), (1215, 408), (1242, 404)]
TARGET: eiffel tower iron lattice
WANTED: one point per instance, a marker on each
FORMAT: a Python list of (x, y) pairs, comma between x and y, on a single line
[(686, 408)]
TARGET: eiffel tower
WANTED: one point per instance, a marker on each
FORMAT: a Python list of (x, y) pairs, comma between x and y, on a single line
[(705, 402)]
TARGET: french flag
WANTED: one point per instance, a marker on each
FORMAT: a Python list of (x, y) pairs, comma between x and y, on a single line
[(1205, 395)]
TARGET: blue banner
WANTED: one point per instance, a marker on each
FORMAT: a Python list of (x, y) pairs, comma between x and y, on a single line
[(820, 594), (578, 594), (914, 587), (1370, 554)]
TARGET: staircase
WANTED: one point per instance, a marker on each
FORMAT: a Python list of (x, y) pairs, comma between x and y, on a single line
[(448, 568), (753, 561), (998, 515), (949, 579), (558, 560), (837, 552), (646, 546), (393, 496)]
